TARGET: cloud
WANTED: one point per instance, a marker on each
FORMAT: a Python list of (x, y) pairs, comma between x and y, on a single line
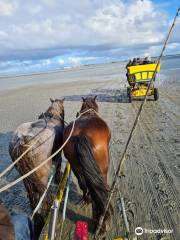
[(176, 32), (76, 32), (7, 8), (34, 9), (60, 61), (125, 25), (112, 23), (3, 34), (49, 3)]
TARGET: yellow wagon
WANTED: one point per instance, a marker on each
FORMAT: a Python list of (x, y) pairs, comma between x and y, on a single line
[(138, 78)]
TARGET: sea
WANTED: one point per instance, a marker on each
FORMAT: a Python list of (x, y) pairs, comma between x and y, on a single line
[(170, 72)]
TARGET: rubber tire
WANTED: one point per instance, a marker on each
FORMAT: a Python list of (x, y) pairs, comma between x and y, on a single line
[(129, 94), (156, 94)]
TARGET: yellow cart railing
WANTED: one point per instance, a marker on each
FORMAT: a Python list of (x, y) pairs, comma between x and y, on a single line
[(58, 198), (138, 78)]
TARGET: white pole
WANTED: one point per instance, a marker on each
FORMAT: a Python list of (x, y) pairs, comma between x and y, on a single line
[(53, 219)]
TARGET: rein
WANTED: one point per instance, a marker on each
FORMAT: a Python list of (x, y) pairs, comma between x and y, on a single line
[(86, 111), (9, 185)]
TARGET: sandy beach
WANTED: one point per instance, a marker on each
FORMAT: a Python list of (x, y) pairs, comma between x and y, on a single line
[(152, 171)]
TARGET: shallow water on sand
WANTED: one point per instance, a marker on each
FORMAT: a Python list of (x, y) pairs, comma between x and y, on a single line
[(170, 69)]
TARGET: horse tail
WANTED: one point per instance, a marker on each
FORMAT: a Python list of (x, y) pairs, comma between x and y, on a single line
[(90, 177)]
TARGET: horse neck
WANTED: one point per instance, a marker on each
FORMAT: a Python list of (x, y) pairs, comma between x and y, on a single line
[(56, 116)]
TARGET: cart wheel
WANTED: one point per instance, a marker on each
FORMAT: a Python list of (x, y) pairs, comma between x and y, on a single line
[(156, 94), (129, 94)]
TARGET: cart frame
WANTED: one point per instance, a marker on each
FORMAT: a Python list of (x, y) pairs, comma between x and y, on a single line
[(138, 78)]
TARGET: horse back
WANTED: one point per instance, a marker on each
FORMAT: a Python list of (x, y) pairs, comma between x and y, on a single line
[(92, 126), (36, 133)]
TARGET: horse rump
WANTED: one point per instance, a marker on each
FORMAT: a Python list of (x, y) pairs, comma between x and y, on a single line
[(89, 177)]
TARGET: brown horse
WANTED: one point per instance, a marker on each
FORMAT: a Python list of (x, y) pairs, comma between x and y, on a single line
[(6, 227), (46, 134), (88, 154)]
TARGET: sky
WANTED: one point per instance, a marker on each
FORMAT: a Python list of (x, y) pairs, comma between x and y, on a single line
[(43, 35)]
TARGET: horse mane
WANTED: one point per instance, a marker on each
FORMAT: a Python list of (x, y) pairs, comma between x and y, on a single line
[(52, 112)]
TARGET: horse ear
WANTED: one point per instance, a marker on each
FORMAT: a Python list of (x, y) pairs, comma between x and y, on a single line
[(83, 99), (95, 97), (51, 100), (62, 100)]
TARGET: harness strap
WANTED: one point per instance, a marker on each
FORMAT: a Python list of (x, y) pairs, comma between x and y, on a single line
[(50, 115)]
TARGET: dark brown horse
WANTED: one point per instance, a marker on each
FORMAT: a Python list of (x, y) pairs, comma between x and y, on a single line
[(46, 136), (6, 227), (88, 154)]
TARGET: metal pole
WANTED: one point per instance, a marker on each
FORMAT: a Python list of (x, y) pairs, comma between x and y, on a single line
[(124, 215), (65, 205), (53, 219)]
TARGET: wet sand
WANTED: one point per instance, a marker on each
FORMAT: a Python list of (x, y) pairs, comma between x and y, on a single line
[(152, 169)]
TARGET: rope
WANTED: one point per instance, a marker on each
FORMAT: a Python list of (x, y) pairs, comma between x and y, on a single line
[(27, 150), (119, 169), (17, 160), (39, 166), (45, 191), (45, 161), (42, 197), (22, 155)]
